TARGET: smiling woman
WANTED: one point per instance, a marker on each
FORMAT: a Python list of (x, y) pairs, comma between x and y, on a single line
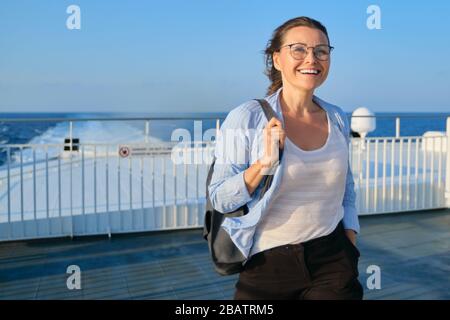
[(299, 238)]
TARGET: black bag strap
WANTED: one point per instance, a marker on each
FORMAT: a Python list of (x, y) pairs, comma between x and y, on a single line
[(269, 113)]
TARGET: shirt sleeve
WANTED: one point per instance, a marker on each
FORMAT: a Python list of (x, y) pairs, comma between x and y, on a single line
[(351, 220), (227, 188)]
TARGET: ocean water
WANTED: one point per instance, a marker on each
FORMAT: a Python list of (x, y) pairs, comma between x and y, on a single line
[(411, 124)]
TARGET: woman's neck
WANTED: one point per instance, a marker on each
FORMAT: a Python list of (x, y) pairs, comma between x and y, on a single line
[(297, 103)]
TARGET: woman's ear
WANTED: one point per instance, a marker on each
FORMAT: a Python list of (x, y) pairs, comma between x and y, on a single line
[(276, 60)]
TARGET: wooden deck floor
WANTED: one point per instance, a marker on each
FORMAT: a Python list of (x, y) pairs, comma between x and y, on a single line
[(412, 250)]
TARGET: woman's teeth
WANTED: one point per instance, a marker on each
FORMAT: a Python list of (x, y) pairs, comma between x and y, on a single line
[(309, 71)]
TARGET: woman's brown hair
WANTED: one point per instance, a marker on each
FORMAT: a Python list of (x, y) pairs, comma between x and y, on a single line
[(274, 45)]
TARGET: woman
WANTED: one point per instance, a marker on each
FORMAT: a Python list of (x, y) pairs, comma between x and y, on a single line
[(299, 237)]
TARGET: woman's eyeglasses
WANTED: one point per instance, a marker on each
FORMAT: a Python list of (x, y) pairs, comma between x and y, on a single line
[(299, 51)]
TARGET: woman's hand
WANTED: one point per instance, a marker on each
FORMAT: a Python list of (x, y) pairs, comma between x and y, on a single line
[(351, 235), (274, 138)]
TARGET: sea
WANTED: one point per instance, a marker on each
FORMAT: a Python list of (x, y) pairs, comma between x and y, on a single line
[(54, 132)]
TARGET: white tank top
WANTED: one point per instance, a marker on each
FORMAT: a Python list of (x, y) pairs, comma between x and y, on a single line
[(308, 203)]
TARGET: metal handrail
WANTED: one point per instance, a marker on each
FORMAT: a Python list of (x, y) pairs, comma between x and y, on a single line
[(108, 119), (160, 118)]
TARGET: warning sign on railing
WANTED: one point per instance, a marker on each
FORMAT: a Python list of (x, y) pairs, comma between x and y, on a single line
[(143, 150), (124, 151)]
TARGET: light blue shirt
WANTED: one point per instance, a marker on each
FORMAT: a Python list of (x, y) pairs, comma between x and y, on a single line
[(227, 189)]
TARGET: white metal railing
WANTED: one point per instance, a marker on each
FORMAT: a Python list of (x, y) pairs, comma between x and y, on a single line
[(399, 174), (46, 192), (96, 191)]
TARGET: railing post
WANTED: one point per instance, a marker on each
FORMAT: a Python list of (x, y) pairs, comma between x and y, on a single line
[(397, 127), (147, 130), (447, 167), (217, 126), (71, 135)]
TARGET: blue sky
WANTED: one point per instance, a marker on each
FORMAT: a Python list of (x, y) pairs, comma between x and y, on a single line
[(199, 55)]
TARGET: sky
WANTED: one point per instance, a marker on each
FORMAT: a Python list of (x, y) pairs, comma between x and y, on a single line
[(206, 55)]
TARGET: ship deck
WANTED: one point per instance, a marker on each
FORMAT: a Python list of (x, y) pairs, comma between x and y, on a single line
[(412, 249)]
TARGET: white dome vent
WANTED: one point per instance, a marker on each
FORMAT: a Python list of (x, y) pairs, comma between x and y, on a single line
[(363, 121)]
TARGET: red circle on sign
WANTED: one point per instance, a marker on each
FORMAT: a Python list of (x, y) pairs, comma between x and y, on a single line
[(124, 152)]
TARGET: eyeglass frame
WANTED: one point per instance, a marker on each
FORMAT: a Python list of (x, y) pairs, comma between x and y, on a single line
[(292, 44)]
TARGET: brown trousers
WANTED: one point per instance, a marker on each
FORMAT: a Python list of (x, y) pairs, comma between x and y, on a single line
[(323, 268)]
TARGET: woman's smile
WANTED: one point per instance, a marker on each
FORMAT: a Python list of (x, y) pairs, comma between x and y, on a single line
[(309, 71)]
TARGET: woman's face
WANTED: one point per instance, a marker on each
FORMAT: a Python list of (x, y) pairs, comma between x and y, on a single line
[(294, 71)]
